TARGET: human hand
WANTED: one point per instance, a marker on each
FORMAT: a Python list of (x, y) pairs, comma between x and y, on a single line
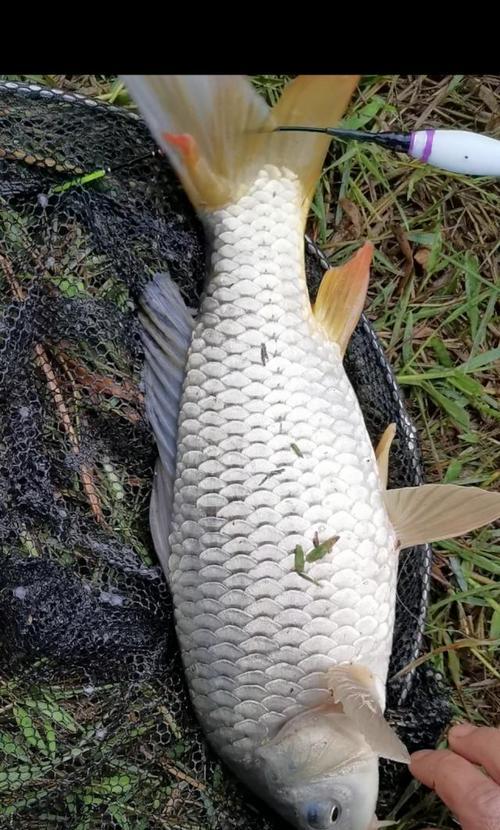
[(455, 775)]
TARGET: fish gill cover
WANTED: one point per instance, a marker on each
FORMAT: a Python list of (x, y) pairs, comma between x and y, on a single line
[(96, 728)]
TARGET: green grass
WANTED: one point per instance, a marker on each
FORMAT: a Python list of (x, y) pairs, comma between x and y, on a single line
[(433, 299)]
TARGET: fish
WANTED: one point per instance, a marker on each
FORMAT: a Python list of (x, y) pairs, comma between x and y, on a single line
[(270, 512)]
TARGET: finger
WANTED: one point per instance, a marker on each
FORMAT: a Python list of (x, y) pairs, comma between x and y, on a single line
[(479, 744), (469, 793)]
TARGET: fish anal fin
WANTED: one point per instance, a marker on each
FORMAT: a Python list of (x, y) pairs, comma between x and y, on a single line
[(342, 295)]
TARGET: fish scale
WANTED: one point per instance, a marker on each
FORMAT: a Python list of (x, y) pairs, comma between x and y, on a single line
[(272, 449)]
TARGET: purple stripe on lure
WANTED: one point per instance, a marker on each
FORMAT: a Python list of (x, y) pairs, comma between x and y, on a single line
[(429, 138)]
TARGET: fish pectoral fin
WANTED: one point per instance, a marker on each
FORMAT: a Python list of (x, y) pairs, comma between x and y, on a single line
[(342, 295), (355, 687), (433, 512), (382, 453), (167, 327)]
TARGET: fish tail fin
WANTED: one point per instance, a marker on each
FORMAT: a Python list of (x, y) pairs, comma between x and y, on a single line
[(217, 131), (308, 101)]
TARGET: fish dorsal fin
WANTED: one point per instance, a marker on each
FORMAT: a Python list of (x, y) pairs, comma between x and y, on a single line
[(433, 512), (342, 295), (167, 327), (355, 687), (218, 132), (382, 453)]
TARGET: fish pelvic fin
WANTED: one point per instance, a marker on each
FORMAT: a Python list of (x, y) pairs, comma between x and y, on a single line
[(382, 453), (217, 131)]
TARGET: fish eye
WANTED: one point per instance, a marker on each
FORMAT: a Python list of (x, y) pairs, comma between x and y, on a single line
[(335, 814)]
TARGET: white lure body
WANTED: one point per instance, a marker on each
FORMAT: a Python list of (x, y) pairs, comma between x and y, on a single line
[(459, 151), (272, 453)]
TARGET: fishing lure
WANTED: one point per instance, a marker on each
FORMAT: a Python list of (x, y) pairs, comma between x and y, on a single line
[(458, 151)]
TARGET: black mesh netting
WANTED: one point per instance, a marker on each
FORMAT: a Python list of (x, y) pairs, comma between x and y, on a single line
[(96, 730)]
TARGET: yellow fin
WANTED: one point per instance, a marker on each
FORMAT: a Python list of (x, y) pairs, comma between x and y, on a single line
[(342, 295), (433, 512), (382, 453), (359, 692), (204, 124), (218, 132), (309, 101)]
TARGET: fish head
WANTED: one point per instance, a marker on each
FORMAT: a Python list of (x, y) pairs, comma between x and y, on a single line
[(342, 801), (320, 774)]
